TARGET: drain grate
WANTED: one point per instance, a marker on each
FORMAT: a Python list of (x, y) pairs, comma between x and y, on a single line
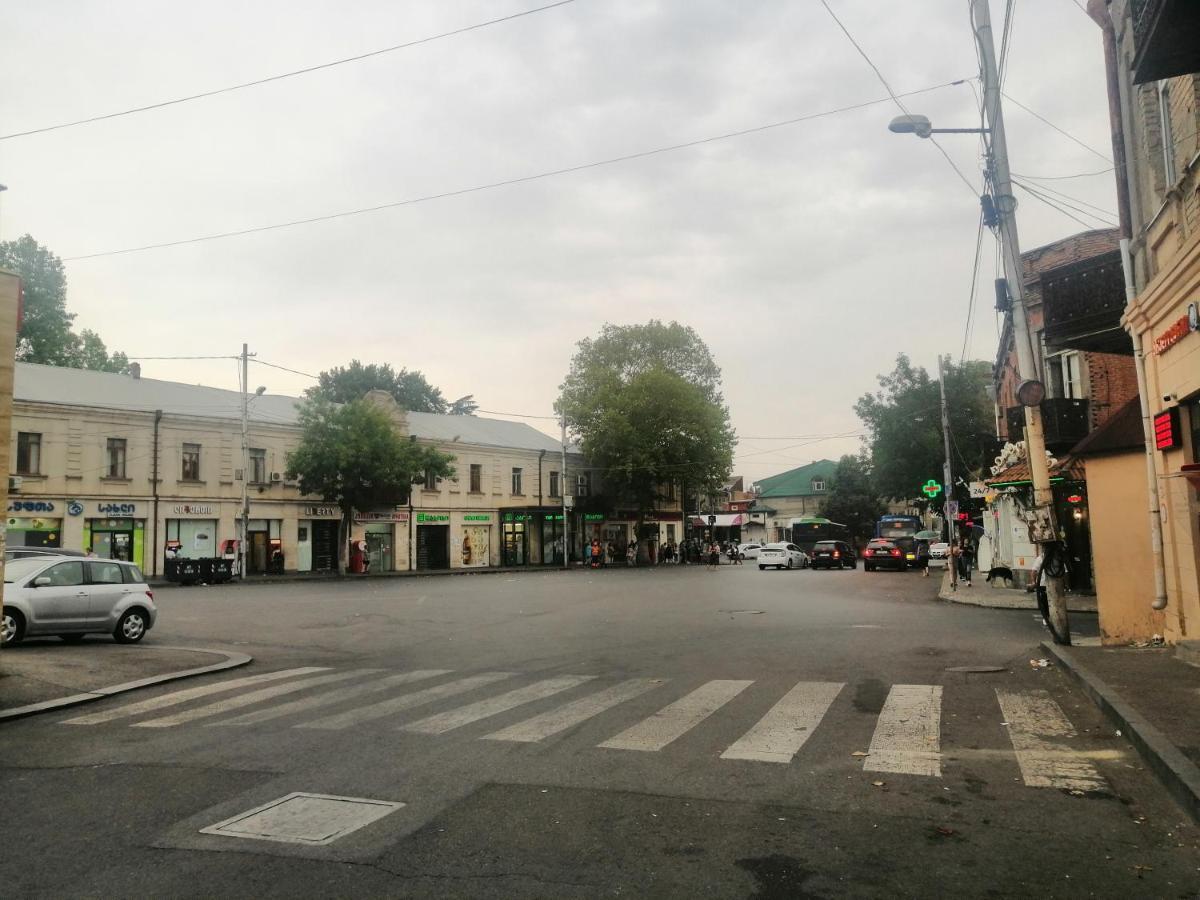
[(302, 818)]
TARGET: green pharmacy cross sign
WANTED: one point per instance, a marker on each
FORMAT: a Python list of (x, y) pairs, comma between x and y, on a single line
[(931, 488)]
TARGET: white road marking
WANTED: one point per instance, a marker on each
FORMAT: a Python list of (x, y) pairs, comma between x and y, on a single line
[(176, 697), (330, 697), (907, 736), (403, 702), (556, 720), (465, 715), (781, 733), (676, 720), (1032, 718), (231, 703)]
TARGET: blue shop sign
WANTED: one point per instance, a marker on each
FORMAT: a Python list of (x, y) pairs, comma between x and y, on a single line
[(36, 506)]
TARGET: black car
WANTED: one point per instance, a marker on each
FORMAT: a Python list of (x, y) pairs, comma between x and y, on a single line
[(833, 555), (884, 554)]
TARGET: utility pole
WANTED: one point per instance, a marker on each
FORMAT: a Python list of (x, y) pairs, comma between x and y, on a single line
[(1030, 391), (562, 490), (947, 477), (243, 544)]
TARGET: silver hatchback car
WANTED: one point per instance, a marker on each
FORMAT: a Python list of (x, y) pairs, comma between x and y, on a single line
[(70, 597)]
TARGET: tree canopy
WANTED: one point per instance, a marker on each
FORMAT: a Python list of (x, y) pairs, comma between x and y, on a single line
[(345, 384), (904, 431), (352, 455), (46, 336), (644, 402), (853, 500)]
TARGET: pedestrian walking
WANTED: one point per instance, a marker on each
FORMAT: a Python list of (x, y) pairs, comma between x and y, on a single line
[(965, 560), (714, 556), (631, 554)]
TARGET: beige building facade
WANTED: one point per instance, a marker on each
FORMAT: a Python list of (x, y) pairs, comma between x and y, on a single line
[(144, 470)]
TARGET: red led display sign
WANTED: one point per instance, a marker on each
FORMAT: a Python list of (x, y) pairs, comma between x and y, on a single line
[(1166, 430)]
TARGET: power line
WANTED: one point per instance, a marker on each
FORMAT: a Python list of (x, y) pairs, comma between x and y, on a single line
[(1053, 205), (283, 368), (1010, 9), (280, 76), (143, 358), (1064, 197), (1061, 131), (895, 97), (974, 284), (492, 412), (1063, 177), (642, 154)]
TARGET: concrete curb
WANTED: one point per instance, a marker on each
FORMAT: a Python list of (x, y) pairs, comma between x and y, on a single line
[(1178, 774), (999, 598), (231, 661)]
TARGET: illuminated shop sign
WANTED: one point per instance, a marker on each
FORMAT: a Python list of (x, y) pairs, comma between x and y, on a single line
[(1166, 430), (433, 517), (117, 509), (39, 506)]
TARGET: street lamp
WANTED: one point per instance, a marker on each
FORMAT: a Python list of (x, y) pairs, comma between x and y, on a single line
[(922, 128)]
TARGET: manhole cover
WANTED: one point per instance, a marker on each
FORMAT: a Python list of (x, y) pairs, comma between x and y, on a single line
[(301, 818), (980, 669)]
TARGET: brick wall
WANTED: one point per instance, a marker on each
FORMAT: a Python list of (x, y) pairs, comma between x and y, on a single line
[(1111, 383)]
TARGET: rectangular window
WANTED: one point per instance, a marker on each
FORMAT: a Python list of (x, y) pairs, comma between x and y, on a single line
[(258, 466), (29, 453), (431, 480), (583, 484), (818, 486), (476, 478), (669, 490), (516, 482), (554, 489), (1168, 133), (1072, 377), (191, 463), (116, 458)]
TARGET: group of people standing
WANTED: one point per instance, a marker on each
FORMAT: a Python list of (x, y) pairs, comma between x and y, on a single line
[(600, 553)]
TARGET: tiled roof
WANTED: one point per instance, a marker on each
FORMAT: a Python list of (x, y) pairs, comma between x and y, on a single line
[(105, 390), (798, 482), (1070, 468), (1073, 249)]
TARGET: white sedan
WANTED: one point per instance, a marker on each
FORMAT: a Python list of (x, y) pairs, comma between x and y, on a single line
[(782, 556), (749, 551), (938, 552)]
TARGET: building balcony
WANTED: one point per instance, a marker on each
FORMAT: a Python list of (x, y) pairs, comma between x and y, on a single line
[(1066, 423), (1082, 304), (1164, 38)]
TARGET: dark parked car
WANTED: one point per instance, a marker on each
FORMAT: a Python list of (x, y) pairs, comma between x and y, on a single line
[(833, 555), (882, 554)]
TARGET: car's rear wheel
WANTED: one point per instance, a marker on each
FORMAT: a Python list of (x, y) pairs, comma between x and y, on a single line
[(132, 627), (12, 629)]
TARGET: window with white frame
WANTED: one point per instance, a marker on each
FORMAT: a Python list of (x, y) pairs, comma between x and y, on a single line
[(516, 482)]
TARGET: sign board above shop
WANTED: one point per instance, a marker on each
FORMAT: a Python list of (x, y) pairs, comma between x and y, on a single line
[(320, 512), (477, 517), (117, 510), (432, 518), (37, 506), (1178, 330), (387, 515), (193, 509)]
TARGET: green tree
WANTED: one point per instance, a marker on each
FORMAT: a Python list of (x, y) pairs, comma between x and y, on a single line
[(904, 430), (853, 500), (345, 384), (46, 336), (352, 455), (644, 402), (463, 406)]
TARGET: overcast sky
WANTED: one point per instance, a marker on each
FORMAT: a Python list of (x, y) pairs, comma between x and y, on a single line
[(806, 256)]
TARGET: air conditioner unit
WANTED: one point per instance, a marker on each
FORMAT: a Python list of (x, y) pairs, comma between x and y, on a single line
[(14, 483), (276, 476)]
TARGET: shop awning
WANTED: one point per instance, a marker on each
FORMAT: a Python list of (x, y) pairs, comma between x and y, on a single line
[(724, 520)]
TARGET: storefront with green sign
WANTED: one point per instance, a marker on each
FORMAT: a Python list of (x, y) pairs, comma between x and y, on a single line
[(432, 540), (532, 536)]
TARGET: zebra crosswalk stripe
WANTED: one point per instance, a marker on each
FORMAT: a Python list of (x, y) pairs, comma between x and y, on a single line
[(1034, 719), (781, 733), (674, 721), (395, 705), (457, 718), (176, 697), (328, 698), (907, 736), (564, 717), (231, 703)]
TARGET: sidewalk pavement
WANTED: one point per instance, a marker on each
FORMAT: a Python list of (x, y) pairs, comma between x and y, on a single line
[(1150, 696), (980, 593), (41, 675)]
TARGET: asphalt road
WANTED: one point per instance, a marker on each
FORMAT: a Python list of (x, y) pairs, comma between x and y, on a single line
[(594, 734)]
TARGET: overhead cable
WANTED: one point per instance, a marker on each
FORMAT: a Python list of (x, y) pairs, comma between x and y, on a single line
[(523, 179), (282, 75)]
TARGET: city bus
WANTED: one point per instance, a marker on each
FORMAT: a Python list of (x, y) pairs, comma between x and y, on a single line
[(901, 530), (807, 530)]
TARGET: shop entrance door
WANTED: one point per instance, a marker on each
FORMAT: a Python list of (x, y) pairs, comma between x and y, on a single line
[(514, 543), (258, 551), (433, 546), (113, 545), (324, 546), (379, 550)]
